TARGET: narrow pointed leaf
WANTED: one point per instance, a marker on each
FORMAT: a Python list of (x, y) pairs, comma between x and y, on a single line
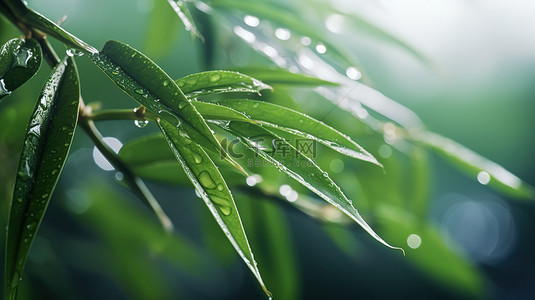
[(45, 148), (150, 157), (161, 31), (278, 76), (181, 9), (294, 122), (298, 166), (20, 59), (148, 84), (219, 82), (476, 166), (213, 189), (36, 20)]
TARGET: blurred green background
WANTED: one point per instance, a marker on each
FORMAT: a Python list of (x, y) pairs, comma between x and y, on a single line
[(98, 242)]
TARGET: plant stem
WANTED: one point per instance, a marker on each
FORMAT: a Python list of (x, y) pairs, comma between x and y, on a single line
[(120, 114), (135, 183)]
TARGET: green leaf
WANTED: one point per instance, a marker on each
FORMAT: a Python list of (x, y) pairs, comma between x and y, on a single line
[(148, 84), (45, 148), (294, 122), (20, 59), (181, 9), (150, 157), (40, 22), (213, 189), (278, 76), (476, 166), (219, 82), (298, 166)]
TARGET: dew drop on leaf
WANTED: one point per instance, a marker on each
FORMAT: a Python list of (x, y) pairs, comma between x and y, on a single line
[(215, 77), (182, 104), (206, 180), (141, 123), (139, 91), (165, 83)]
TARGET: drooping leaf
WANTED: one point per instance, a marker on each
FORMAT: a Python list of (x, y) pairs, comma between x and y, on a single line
[(294, 122), (207, 180), (20, 59), (181, 9), (278, 76), (40, 22), (294, 163), (219, 82), (150, 157), (45, 148), (476, 166), (148, 84)]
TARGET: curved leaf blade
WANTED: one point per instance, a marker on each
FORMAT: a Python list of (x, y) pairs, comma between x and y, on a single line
[(299, 167), (219, 82), (475, 165), (207, 180), (294, 122), (45, 148), (278, 76), (148, 84), (181, 9), (20, 59)]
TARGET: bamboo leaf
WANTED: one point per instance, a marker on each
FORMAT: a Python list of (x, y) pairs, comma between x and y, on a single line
[(207, 180), (45, 148), (162, 30), (476, 166), (181, 9), (40, 22), (20, 59), (294, 122), (294, 163), (150, 157), (278, 76), (148, 84), (219, 82)]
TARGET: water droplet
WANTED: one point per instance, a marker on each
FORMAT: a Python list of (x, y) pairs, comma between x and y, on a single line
[(31, 225), (353, 73), (215, 77), (221, 203), (3, 89), (25, 173), (139, 91), (141, 123), (483, 177), (166, 83), (19, 199), (44, 196), (251, 20), (54, 172), (414, 241), (133, 55), (182, 104), (197, 158), (74, 52), (255, 105), (21, 57), (206, 180)]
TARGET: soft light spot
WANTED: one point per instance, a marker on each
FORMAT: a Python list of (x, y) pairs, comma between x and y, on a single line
[(337, 165), (100, 160), (483, 177), (414, 241), (335, 23), (244, 34), (253, 180), (306, 41), (306, 61), (320, 48), (353, 73), (292, 196), (385, 151), (283, 34), (251, 20), (285, 190)]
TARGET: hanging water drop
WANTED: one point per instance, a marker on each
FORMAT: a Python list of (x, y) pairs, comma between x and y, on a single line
[(141, 123), (3, 89), (21, 57), (73, 52)]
